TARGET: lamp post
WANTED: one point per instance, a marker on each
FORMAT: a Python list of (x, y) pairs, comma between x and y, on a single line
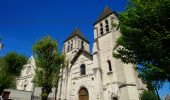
[(1, 45)]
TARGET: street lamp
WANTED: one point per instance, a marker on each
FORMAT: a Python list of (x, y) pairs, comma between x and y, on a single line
[(1, 45)]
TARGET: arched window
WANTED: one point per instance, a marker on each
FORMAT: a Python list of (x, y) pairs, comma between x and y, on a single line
[(82, 44), (107, 25), (101, 29), (71, 45), (82, 69), (109, 65), (68, 48)]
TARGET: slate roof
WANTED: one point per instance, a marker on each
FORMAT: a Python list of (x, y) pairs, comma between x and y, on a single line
[(106, 12), (78, 33)]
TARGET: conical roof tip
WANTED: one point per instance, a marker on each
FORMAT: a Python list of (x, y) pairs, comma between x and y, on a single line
[(77, 32), (106, 12)]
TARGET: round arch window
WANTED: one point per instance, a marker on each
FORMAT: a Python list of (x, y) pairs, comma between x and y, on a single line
[(82, 69)]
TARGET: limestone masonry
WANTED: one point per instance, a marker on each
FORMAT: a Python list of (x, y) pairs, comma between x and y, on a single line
[(96, 75)]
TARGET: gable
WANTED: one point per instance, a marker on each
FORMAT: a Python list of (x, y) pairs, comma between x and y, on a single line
[(83, 58), (81, 54), (28, 69)]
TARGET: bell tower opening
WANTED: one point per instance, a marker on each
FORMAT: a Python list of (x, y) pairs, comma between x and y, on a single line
[(75, 42), (104, 34), (83, 94)]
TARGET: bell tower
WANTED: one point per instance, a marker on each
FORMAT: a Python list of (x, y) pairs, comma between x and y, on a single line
[(114, 73), (104, 32), (104, 41), (75, 42)]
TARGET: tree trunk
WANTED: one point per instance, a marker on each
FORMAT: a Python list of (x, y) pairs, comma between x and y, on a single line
[(44, 97), (1, 91), (55, 98), (45, 92)]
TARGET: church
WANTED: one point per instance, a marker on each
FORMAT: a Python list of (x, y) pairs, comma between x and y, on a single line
[(96, 75)]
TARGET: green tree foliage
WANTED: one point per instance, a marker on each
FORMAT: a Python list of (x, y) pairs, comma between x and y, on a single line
[(10, 68), (6, 81), (59, 75), (148, 95), (49, 61), (145, 40), (14, 63)]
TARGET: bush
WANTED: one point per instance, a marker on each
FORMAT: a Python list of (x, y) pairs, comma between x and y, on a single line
[(148, 95)]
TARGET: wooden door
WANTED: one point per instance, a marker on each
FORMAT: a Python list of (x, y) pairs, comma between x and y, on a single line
[(83, 94)]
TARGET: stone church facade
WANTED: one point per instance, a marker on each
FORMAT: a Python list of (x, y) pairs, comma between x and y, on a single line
[(25, 81), (96, 75)]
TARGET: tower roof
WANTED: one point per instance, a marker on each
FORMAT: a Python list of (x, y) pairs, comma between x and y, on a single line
[(106, 12), (78, 33)]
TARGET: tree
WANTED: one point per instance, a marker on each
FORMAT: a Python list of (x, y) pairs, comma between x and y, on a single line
[(6, 81), (59, 75), (49, 61), (10, 68), (148, 95), (14, 63), (145, 38)]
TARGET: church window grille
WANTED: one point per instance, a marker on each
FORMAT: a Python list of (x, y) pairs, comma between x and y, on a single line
[(107, 26), (109, 65), (101, 28), (83, 69)]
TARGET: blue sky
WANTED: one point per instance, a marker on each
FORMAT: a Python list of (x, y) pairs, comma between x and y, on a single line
[(23, 22)]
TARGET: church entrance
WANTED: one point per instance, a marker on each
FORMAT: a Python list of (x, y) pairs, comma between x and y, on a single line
[(83, 94)]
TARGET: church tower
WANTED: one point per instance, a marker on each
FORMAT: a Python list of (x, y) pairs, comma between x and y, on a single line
[(75, 42), (118, 79), (97, 76), (74, 45)]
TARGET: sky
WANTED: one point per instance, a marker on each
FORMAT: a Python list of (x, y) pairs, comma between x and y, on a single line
[(23, 22)]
